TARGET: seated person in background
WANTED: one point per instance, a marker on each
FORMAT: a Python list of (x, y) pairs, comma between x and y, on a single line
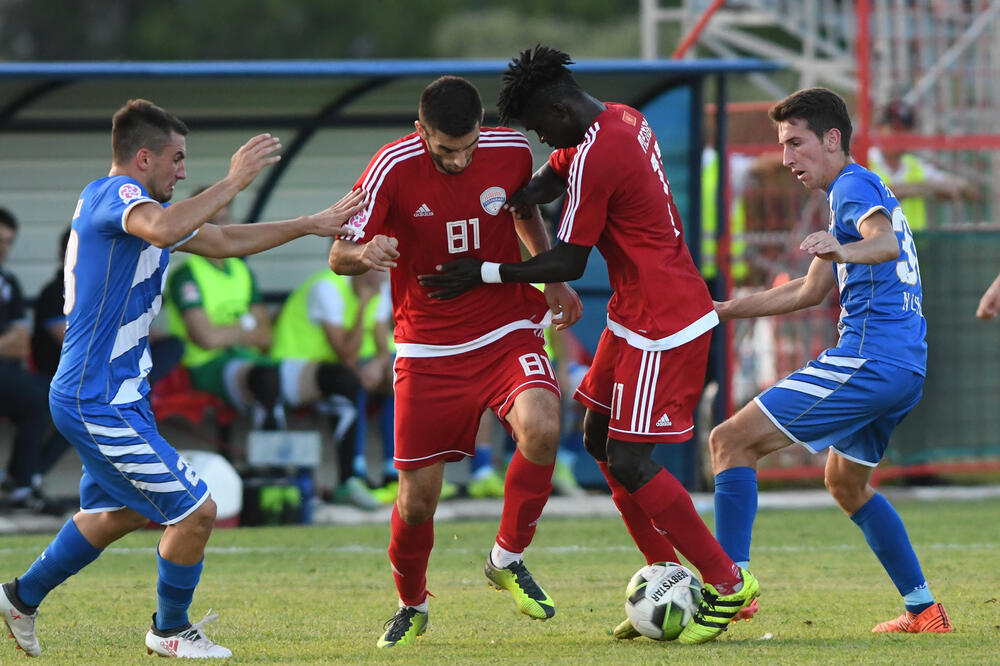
[(24, 396), (912, 179), (214, 305), (346, 322)]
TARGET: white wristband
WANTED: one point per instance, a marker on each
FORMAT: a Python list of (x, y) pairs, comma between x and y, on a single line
[(248, 322), (490, 272)]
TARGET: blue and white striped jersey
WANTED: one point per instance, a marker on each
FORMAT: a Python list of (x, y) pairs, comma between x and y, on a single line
[(880, 312), (113, 286)]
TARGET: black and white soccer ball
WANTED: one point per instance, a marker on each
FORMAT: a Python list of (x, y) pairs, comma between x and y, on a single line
[(661, 598)]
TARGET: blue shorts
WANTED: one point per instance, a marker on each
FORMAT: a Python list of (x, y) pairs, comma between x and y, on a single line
[(845, 403), (126, 462)]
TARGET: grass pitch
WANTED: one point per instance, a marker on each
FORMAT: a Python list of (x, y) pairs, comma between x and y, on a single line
[(321, 594)]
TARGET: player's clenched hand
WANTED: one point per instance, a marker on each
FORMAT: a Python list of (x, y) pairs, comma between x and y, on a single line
[(520, 203), (822, 244), (252, 156), (722, 309), (564, 303), (453, 278), (380, 253), (330, 222)]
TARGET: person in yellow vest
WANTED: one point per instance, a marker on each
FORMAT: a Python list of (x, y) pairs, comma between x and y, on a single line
[(334, 319), (215, 306), (740, 167), (912, 179)]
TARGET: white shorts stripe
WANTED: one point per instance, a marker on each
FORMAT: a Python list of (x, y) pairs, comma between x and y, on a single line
[(839, 377), (108, 431), (113, 451), (639, 394), (142, 468), (804, 387), (160, 487), (842, 361)]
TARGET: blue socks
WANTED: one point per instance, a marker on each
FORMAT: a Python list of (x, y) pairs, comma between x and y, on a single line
[(174, 592), (66, 554), (735, 510), (887, 537)]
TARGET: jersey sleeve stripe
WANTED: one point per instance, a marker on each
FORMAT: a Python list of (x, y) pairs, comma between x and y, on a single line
[(871, 211), (380, 168), (573, 189), (128, 209)]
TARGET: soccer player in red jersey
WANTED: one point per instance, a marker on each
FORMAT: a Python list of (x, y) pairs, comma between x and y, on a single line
[(649, 366), (437, 194)]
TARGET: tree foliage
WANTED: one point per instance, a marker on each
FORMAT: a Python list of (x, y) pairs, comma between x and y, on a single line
[(308, 29)]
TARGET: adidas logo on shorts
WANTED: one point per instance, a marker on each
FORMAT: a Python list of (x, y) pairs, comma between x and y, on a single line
[(664, 421)]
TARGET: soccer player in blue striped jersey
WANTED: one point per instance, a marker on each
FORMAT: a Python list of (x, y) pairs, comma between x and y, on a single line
[(116, 263), (850, 398)]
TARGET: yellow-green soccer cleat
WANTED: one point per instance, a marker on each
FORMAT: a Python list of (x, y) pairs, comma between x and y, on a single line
[(715, 611), (404, 627), (487, 486), (625, 631), (530, 598)]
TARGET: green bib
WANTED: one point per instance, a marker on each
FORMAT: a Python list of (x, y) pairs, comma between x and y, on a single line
[(295, 336), (226, 295)]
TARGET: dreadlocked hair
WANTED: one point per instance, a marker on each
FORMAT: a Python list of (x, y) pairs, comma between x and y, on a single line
[(528, 73)]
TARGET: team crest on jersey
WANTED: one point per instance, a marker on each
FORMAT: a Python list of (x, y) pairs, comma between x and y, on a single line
[(493, 199), (129, 192)]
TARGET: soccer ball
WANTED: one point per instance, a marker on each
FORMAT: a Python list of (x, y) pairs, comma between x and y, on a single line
[(661, 598)]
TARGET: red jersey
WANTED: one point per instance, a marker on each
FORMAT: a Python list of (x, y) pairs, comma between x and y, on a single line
[(438, 217), (618, 199)]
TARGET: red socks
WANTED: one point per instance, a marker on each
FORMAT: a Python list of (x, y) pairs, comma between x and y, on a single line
[(671, 510), (526, 490), (409, 550), (654, 545)]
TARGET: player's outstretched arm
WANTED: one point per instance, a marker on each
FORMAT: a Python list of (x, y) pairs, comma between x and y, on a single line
[(240, 240), (164, 227), (545, 185), (350, 258), (804, 292), (562, 263), (989, 304)]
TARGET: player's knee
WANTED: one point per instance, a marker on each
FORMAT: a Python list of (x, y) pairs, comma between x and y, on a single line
[(198, 525), (540, 437), (631, 464), (415, 508), (720, 446), (848, 493)]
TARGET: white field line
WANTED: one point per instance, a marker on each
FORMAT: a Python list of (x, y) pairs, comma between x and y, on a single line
[(354, 549)]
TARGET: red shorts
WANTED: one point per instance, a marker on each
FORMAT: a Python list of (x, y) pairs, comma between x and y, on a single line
[(439, 400), (649, 396)]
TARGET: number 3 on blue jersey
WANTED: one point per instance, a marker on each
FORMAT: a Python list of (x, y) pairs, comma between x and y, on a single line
[(906, 269)]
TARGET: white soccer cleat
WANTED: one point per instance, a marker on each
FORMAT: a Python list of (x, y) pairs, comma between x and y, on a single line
[(188, 642), (20, 624)]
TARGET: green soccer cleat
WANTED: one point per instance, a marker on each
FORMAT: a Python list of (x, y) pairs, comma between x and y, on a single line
[(530, 598), (404, 627), (489, 485), (625, 631), (715, 612)]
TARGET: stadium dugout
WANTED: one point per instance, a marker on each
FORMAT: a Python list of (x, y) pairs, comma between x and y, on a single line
[(331, 116)]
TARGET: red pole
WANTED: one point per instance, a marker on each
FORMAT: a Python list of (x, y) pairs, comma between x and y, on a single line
[(692, 36), (862, 132)]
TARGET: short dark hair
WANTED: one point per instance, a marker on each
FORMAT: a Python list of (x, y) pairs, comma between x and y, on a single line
[(451, 105), (822, 110), (141, 124), (541, 70), (8, 220)]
